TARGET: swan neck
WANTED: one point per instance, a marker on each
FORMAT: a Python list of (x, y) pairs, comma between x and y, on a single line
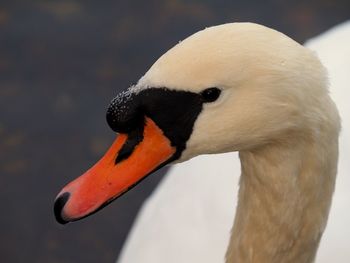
[(284, 200)]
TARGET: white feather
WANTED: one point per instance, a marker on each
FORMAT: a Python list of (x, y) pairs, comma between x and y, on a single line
[(189, 216)]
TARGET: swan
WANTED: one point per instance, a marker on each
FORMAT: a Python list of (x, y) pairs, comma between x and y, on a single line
[(205, 209), (234, 87)]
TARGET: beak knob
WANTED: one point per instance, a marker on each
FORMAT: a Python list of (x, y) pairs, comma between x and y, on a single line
[(123, 114)]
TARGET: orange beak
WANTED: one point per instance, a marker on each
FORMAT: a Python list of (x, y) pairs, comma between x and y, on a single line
[(107, 180)]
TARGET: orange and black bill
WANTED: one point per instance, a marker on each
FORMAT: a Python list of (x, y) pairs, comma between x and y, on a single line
[(153, 126), (108, 179)]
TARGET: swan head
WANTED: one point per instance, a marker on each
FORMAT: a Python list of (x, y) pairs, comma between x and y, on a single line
[(231, 87)]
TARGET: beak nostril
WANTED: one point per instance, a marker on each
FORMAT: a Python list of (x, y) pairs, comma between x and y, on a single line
[(58, 206)]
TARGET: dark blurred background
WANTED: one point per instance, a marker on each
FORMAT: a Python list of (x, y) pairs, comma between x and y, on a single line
[(61, 62)]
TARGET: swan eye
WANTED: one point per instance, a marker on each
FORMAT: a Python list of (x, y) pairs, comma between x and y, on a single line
[(210, 94)]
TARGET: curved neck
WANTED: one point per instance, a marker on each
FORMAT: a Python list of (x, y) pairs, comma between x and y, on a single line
[(284, 199)]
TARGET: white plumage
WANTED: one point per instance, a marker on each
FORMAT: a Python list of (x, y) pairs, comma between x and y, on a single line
[(189, 216)]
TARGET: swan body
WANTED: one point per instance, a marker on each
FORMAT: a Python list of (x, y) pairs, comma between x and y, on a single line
[(200, 195), (233, 87)]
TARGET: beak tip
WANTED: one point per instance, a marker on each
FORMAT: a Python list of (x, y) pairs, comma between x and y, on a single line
[(58, 207)]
